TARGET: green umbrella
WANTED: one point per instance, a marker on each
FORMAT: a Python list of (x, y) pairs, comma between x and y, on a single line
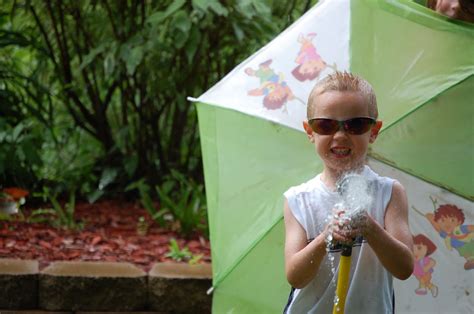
[(421, 67)]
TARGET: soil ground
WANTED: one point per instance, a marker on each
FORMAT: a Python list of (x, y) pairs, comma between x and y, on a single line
[(110, 233)]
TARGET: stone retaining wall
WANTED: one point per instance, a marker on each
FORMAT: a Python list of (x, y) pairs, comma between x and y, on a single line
[(88, 287)]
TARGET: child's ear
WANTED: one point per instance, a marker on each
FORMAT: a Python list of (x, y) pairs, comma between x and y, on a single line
[(374, 132), (308, 130)]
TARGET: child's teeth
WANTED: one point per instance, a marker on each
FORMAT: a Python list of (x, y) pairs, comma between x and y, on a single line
[(341, 151)]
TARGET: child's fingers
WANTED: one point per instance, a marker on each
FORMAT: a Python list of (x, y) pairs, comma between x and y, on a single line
[(342, 236)]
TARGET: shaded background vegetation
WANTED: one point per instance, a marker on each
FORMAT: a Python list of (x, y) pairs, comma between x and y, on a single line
[(93, 92)]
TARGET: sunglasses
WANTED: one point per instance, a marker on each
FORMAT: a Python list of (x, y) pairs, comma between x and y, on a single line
[(354, 126)]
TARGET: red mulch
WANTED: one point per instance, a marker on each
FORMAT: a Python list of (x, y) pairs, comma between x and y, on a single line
[(109, 234)]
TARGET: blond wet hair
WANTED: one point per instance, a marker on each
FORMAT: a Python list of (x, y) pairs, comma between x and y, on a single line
[(343, 82)]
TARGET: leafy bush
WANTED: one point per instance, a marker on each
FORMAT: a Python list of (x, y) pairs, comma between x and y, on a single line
[(182, 202), (107, 81), (19, 155), (147, 202), (58, 216), (93, 95), (186, 201)]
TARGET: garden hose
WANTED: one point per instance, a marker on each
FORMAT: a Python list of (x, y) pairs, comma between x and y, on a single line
[(342, 280)]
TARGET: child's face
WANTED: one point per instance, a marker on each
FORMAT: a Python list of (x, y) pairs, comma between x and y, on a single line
[(341, 151), (448, 223), (420, 251), (454, 9)]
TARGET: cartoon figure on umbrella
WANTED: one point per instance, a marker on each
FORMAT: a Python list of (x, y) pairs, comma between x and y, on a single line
[(448, 220), (424, 264), (310, 63), (273, 86)]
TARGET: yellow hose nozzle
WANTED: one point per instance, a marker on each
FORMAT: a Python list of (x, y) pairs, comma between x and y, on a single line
[(342, 281)]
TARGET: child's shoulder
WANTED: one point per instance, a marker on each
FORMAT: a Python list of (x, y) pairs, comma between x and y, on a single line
[(374, 176), (305, 187)]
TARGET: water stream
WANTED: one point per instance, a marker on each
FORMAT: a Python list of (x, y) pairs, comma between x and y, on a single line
[(355, 197)]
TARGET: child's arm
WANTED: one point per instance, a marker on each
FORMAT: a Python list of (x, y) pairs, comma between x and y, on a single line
[(394, 244), (302, 259)]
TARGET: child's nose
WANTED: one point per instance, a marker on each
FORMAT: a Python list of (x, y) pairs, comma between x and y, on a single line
[(340, 133), (453, 9)]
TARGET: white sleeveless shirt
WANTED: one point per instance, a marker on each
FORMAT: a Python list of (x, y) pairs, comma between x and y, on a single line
[(371, 288)]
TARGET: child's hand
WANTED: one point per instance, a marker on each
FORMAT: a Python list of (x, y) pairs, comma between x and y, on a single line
[(340, 229), (360, 224)]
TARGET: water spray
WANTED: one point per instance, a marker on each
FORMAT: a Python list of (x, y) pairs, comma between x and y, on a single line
[(354, 191)]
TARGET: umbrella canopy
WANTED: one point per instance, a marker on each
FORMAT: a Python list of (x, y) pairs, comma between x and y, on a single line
[(421, 67)]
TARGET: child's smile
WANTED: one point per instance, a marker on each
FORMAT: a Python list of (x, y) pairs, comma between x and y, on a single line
[(341, 151)]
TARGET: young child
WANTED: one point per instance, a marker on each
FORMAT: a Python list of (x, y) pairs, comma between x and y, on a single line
[(456, 9), (342, 113)]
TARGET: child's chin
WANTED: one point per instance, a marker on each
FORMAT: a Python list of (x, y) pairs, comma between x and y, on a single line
[(346, 164)]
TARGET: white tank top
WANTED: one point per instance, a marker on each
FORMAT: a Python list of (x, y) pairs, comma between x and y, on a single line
[(371, 288)]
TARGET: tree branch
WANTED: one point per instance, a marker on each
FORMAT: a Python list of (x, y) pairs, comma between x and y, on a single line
[(46, 39), (110, 15)]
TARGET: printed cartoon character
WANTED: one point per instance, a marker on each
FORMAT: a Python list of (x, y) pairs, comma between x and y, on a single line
[(273, 86), (448, 221), (424, 264), (310, 63)]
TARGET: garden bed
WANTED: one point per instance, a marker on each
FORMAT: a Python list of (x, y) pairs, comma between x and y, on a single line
[(111, 233)]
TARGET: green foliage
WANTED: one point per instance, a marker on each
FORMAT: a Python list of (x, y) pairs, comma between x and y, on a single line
[(182, 200), (182, 254), (58, 216), (93, 93), (186, 201), (19, 152), (147, 202)]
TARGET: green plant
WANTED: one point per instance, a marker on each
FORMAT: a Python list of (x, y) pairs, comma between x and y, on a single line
[(57, 215), (85, 73), (186, 201), (182, 254), (19, 146), (147, 202), (195, 259)]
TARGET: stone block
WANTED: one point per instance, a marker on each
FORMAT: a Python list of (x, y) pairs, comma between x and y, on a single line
[(180, 288), (33, 312), (18, 284), (92, 286)]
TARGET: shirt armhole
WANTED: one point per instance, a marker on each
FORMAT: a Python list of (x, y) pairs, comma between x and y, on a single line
[(294, 208), (387, 195)]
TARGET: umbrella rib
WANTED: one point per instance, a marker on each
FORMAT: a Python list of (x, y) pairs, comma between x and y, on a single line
[(392, 164), (246, 252), (424, 103), (410, 172)]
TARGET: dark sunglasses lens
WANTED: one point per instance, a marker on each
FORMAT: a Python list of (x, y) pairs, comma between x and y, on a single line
[(358, 126), (324, 126)]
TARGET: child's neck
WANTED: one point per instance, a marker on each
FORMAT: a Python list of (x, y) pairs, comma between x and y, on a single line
[(329, 180), (330, 176)]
